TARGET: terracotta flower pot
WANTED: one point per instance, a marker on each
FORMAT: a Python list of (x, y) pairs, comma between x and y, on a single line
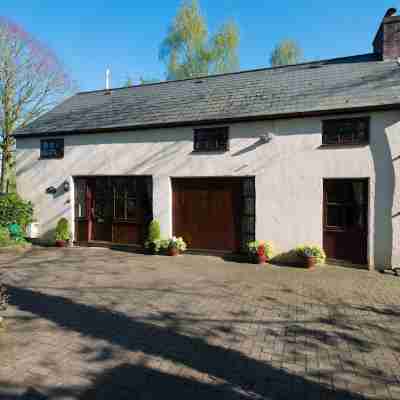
[(260, 259), (61, 243), (173, 251), (310, 262)]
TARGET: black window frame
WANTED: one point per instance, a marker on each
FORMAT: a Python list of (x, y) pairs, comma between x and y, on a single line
[(203, 139), (125, 189), (331, 128), (344, 202), (59, 142)]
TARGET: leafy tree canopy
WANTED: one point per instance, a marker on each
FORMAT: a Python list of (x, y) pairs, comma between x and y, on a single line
[(285, 53), (189, 51)]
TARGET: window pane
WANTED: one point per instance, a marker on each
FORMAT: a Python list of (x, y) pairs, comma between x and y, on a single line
[(335, 192), (346, 131), (131, 207), (52, 148), (80, 206), (334, 216), (211, 139), (119, 212)]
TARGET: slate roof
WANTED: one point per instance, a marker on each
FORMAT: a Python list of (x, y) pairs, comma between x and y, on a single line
[(338, 84)]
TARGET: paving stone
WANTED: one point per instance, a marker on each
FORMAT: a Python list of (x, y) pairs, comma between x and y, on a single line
[(96, 323)]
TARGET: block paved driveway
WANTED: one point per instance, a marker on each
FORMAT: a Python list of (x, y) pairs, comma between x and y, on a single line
[(103, 324)]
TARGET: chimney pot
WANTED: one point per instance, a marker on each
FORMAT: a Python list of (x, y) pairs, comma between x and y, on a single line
[(387, 40), (389, 13)]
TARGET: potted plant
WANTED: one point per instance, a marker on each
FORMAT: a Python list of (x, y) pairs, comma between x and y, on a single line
[(259, 251), (176, 246), (153, 242), (63, 234), (311, 255)]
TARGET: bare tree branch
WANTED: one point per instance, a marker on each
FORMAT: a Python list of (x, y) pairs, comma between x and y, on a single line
[(32, 80)]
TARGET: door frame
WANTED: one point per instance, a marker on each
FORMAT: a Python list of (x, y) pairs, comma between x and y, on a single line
[(241, 230), (367, 180), (89, 197)]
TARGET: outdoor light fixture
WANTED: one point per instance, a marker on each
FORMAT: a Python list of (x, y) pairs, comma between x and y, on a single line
[(66, 186), (51, 190), (265, 138)]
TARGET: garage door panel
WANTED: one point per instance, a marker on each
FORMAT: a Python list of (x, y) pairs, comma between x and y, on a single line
[(206, 212)]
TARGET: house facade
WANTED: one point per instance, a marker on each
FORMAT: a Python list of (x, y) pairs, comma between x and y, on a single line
[(298, 154)]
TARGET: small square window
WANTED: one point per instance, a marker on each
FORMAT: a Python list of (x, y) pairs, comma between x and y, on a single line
[(211, 139), (52, 148), (345, 132)]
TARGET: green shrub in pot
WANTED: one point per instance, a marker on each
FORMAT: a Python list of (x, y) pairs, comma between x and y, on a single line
[(153, 242), (63, 233)]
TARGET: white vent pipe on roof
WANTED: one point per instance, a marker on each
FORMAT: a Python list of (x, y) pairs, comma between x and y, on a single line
[(108, 77)]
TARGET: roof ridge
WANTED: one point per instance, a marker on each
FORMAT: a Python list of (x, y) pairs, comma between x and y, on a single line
[(226, 74)]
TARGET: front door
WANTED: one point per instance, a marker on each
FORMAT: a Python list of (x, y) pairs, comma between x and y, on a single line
[(113, 208), (346, 219), (101, 209)]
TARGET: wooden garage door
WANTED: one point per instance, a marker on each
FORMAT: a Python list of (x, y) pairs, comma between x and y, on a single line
[(207, 212)]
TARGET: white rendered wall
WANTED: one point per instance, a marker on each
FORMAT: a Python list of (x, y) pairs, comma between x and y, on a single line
[(289, 172)]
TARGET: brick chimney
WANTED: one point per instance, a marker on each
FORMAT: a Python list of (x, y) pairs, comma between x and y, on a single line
[(387, 40)]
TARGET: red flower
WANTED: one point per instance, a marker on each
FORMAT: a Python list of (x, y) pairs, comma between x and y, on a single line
[(261, 250)]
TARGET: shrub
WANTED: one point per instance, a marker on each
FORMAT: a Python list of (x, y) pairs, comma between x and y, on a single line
[(260, 246), (154, 231), (155, 246), (154, 237), (164, 244), (62, 230), (177, 243), (311, 251), (287, 258), (4, 236), (14, 210)]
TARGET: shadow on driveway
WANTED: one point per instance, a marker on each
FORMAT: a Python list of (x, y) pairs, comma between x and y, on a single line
[(234, 375)]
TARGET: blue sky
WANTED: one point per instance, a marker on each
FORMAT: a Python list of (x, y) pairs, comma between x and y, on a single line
[(89, 35)]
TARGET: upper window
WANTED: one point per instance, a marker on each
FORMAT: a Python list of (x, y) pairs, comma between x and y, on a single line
[(343, 132), (211, 139), (52, 148)]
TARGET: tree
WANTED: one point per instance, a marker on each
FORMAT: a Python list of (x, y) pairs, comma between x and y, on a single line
[(146, 81), (285, 53), (32, 80), (128, 82), (142, 81), (188, 51)]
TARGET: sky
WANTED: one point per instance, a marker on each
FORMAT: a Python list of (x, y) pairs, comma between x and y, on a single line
[(90, 35)]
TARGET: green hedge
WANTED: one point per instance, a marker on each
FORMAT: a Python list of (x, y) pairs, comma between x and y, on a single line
[(14, 210), (4, 236)]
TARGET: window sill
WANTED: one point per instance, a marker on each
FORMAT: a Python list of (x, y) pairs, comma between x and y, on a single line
[(51, 158), (209, 151), (342, 146)]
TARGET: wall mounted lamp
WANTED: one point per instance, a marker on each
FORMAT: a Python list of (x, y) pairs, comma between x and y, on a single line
[(66, 186)]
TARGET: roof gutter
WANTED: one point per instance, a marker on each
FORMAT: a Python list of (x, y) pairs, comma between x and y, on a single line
[(215, 121)]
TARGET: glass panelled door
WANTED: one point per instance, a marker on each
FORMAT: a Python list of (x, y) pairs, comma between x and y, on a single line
[(113, 208), (346, 219)]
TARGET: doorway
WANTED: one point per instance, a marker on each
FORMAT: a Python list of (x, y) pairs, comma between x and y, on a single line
[(345, 220), (214, 213), (115, 209)]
